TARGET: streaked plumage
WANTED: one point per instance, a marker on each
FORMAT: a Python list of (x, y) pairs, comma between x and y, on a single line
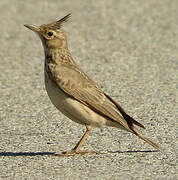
[(73, 92)]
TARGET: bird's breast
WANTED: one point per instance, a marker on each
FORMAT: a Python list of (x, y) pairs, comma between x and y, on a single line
[(70, 107)]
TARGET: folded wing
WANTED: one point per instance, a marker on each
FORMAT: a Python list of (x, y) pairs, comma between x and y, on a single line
[(77, 84)]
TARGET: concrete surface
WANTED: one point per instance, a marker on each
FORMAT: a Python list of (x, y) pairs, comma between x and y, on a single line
[(130, 48)]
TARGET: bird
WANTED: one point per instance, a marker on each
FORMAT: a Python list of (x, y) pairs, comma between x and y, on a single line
[(74, 93)]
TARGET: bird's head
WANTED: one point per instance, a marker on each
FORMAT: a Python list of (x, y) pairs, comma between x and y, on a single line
[(51, 34)]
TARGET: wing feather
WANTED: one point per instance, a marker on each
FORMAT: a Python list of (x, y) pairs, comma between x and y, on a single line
[(77, 84)]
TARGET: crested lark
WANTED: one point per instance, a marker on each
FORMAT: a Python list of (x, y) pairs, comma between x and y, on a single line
[(73, 93)]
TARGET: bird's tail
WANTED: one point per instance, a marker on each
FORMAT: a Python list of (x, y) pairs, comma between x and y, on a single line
[(136, 132), (131, 122)]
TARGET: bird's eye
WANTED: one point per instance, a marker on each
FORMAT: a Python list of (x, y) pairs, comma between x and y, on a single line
[(50, 33)]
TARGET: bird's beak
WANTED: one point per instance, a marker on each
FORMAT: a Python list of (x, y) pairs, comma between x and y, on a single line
[(32, 27)]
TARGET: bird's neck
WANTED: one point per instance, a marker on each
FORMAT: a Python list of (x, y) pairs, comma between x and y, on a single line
[(58, 56)]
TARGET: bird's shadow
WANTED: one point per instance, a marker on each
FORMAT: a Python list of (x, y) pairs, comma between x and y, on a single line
[(25, 153), (135, 151), (14, 154)]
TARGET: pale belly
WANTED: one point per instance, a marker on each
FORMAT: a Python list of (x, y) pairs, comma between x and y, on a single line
[(71, 108)]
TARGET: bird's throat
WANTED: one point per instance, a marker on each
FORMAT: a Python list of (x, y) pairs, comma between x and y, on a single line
[(58, 56)]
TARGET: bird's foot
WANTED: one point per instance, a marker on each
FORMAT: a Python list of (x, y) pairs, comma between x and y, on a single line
[(74, 152)]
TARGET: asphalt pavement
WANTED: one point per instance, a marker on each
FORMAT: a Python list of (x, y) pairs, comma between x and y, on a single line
[(130, 48)]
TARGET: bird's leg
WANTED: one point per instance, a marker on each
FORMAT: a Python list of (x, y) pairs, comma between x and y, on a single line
[(76, 149), (82, 140)]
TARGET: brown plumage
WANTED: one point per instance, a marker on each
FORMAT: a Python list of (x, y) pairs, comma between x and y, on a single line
[(74, 93)]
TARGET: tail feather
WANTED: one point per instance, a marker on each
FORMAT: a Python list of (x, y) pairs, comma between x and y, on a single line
[(131, 122), (136, 132), (128, 118)]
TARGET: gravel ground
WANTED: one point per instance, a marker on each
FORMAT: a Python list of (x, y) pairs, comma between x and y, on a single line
[(130, 48)]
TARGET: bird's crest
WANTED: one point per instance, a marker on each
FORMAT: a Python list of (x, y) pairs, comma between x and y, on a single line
[(58, 24)]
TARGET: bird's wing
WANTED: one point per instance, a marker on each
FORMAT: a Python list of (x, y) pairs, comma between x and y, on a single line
[(78, 85)]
